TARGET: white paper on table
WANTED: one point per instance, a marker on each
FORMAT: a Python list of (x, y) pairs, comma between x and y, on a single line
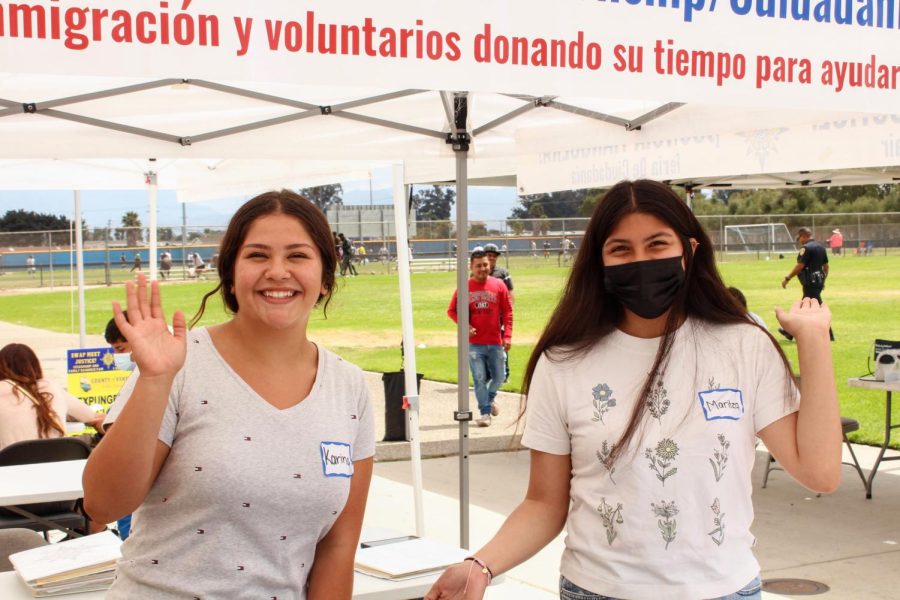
[(73, 557), (407, 558)]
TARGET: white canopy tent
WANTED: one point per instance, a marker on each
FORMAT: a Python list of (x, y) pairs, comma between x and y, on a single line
[(580, 94)]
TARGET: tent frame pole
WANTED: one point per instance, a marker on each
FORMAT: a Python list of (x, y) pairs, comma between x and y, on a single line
[(459, 140), (152, 220), (307, 109), (410, 381), (79, 260)]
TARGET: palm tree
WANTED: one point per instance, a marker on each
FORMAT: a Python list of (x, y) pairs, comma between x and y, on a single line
[(132, 222)]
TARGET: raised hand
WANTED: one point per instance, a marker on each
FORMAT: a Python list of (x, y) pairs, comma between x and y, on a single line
[(452, 584), (806, 317), (155, 350)]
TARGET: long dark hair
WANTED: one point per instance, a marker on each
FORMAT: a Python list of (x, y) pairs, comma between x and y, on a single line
[(19, 364), (586, 313), (283, 202)]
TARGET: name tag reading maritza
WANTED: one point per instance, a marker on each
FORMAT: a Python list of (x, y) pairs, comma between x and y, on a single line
[(337, 460), (722, 404)]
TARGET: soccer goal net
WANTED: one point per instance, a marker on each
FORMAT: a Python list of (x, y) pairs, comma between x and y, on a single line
[(762, 237)]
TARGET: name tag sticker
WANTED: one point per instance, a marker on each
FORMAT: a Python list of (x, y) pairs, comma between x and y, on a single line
[(722, 404), (337, 460)]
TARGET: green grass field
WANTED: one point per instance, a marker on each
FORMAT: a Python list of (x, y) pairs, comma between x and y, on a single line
[(363, 323)]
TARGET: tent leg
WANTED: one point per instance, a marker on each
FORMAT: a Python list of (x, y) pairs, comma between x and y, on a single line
[(409, 346), (151, 234), (460, 144), (79, 258)]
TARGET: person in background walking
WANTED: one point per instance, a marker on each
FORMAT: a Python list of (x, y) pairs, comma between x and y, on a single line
[(137, 263), (29, 263), (565, 251), (489, 306), (503, 275), (339, 251), (198, 264), (836, 242), (347, 268), (165, 264), (493, 253), (811, 269)]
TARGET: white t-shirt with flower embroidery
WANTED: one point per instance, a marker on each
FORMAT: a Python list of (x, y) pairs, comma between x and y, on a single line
[(671, 517)]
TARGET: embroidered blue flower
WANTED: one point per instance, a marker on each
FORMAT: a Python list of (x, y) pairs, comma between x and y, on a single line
[(603, 401)]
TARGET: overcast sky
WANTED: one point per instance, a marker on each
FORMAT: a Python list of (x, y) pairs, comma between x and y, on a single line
[(99, 207)]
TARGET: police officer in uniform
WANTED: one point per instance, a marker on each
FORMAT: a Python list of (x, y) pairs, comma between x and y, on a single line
[(811, 269), (493, 252)]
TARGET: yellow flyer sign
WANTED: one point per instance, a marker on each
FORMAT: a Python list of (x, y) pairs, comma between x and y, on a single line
[(93, 376)]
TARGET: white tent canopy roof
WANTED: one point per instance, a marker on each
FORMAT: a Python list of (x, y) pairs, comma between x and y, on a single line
[(224, 143)]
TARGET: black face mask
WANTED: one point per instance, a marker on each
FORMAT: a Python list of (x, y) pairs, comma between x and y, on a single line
[(648, 287)]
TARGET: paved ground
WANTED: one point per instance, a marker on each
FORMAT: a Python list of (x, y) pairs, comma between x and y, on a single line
[(439, 433), (842, 540)]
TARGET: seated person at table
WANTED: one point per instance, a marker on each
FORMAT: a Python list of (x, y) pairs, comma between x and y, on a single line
[(119, 344), (32, 407), (122, 358)]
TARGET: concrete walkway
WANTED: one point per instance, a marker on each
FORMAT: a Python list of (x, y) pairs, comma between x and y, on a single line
[(848, 543)]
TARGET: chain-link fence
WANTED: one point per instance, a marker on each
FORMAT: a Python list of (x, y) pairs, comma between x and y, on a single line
[(113, 255), (47, 258)]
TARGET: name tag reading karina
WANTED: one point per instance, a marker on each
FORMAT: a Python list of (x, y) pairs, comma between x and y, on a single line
[(722, 404), (337, 460)]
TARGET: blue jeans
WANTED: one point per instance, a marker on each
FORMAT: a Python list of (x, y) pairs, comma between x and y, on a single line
[(486, 364), (570, 591)]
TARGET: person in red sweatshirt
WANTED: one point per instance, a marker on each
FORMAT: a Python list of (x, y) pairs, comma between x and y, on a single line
[(489, 306)]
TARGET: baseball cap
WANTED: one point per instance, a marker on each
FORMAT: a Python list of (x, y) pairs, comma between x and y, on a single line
[(492, 249)]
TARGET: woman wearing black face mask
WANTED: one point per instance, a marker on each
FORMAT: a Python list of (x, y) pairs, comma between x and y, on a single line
[(645, 395)]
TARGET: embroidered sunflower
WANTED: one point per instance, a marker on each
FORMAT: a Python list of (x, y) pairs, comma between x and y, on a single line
[(667, 449)]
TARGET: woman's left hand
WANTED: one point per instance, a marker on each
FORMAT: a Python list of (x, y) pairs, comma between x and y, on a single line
[(805, 317), (459, 582)]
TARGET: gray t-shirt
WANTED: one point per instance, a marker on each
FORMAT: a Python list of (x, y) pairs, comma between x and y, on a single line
[(247, 489)]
